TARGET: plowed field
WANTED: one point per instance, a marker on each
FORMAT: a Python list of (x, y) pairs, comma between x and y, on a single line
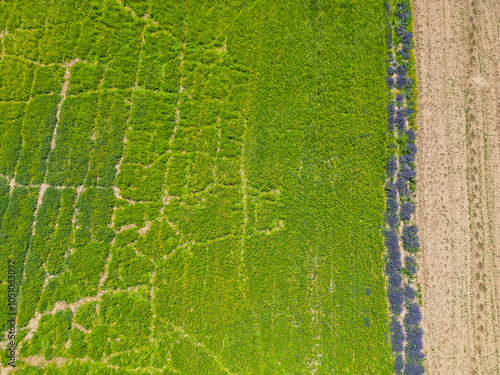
[(458, 195)]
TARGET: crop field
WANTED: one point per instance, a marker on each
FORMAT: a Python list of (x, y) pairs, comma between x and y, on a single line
[(208, 187)]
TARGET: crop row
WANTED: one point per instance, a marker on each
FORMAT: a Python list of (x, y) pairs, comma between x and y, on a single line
[(401, 236)]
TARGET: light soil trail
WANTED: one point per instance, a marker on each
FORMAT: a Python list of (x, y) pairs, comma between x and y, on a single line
[(458, 191)]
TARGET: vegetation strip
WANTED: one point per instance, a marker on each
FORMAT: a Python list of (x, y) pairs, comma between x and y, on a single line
[(401, 232)]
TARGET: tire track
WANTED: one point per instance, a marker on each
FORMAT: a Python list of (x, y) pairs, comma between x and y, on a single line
[(482, 95), (475, 177)]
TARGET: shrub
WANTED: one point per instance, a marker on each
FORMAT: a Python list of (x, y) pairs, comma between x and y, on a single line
[(395, 279), (401, 122), (406, 111), (390, 82), (390, 167), (402, 188), (406, 47), (390, 70), (390, 190), (411, 265), (392, 220), (393, 261), (413, 368), (410, 238), (403, 12), (407, 209), (400, 100), (410, 133), (390, 127), (412, 107), (414, 344), (407, 173), (404, 54), (396, 298), (392, 267), (412, 149), (391, 241), (413, 315), (402, 81), (413, 359), (409, 292), (400, 31), (401, 69), (391, 109), (398, 364), (407, 159), (392, 205), (398, 335), (407, 38)]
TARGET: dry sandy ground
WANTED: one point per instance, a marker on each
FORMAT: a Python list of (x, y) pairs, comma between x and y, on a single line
[(457, 46)]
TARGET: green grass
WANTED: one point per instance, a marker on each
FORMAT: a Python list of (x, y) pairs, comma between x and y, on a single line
[(247, 229)]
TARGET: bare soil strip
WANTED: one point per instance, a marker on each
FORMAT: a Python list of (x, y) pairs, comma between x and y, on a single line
[(458, 192)]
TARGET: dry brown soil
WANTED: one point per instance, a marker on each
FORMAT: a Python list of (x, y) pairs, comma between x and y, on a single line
[(457, 47)]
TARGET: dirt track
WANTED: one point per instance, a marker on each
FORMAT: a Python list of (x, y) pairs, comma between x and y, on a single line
[(457, 47)]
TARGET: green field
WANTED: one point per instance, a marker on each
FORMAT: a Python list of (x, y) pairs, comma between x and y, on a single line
[(211, 183)]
